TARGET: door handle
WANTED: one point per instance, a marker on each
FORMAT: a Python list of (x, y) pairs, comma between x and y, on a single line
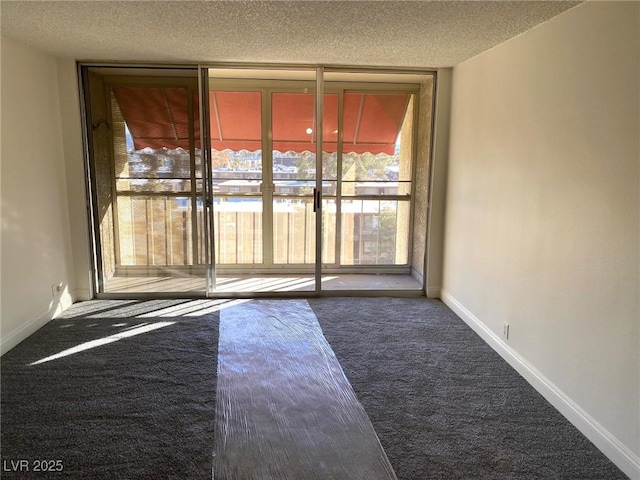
[(316, 200)]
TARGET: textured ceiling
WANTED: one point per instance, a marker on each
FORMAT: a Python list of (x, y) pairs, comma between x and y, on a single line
[(411, 34)]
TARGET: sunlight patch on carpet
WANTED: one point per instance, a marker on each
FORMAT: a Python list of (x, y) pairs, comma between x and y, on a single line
[(126, 333)]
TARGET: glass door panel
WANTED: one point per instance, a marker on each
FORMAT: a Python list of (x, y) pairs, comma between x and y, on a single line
[(236, 166), (263, 168), (235, 119), (331, 126), (293, 171), (373, 197), (148, 177)]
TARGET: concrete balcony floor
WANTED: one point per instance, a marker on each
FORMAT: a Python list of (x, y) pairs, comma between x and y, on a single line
[(249, 283)]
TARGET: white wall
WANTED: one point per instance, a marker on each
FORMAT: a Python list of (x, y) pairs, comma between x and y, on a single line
[(70, 115), (438, 191), (36, 245), (542, 222)]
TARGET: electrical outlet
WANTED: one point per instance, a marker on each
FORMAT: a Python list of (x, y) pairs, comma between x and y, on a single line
[(505, 330), (56, 289)]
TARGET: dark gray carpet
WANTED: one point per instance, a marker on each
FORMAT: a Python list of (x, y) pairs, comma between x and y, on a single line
[(444, 404), (138, 408)]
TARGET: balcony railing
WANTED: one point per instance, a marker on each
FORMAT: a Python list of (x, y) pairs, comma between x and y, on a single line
[(164, 230)]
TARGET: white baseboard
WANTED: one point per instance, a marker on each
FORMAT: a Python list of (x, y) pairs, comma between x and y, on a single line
[(616, 451), (56, 307)]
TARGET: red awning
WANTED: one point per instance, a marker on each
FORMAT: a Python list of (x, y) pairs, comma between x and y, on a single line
[(372, 121), (158, 117)]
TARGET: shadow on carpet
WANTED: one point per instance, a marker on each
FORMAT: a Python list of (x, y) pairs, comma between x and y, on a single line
[(113, 389), (444, 404)]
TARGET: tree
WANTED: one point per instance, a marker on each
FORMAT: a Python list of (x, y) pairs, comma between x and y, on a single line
[(306, 165), (387, 236)]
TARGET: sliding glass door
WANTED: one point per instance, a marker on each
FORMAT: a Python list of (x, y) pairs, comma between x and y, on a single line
[(368, 169), (147, 179), (234, 181), (293, 171), (263, 157), (239, 192), (270, 184)]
